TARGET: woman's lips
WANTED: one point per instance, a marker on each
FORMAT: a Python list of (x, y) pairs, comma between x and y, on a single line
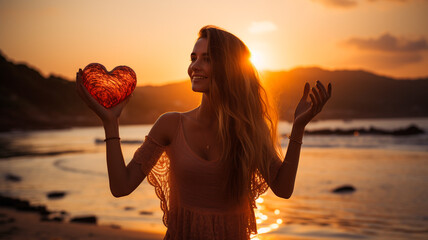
[(198, 77)]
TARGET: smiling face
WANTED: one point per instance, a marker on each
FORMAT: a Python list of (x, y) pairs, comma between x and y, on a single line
[(200, 67)]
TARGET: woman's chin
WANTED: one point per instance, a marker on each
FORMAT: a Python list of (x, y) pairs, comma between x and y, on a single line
[(201, 89)]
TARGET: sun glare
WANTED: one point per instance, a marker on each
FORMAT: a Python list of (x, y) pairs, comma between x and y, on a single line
[(257, 60)]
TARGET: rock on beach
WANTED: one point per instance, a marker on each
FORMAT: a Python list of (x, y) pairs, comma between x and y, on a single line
[(85, 219), (344, 189), (56, 194)]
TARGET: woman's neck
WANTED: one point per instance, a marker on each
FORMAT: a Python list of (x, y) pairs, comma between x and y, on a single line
[(205, 113)]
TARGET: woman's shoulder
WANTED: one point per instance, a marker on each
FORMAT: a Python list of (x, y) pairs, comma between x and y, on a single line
[(169, 117), (165, 127), (189, 115)]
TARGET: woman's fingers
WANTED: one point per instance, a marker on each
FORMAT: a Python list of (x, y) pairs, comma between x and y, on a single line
[(318, 99), (79, 84), (126, 100), (306, 90), (319, 95), (84, 93), (81, 88), (324, 94), (322, 91), (314, 104)]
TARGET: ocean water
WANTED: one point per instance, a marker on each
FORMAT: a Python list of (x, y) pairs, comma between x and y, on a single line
[(389, 173)]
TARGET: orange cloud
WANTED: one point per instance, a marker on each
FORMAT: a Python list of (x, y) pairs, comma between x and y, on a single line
[(388, 43), (338, 3), (387, 51), (349, 3), (389, 0), (386, 60)]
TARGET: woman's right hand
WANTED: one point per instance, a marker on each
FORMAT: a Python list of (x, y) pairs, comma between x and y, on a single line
[(306, 110), (107, 115)]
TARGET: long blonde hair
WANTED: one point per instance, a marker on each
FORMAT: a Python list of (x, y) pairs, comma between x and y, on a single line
[(247, 123)]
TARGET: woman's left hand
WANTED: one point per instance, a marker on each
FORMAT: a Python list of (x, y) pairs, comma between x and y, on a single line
[(307, 110)]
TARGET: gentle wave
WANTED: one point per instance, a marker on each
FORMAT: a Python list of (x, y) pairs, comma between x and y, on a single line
[(61, 165)]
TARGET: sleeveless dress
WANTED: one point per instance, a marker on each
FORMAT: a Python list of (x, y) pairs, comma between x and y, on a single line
[(190, 191)]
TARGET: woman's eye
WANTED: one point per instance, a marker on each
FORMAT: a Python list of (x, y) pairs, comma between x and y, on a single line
[(205, 59)]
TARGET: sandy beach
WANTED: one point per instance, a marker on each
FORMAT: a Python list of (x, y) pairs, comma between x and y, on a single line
[(15, 224), (20, 225)]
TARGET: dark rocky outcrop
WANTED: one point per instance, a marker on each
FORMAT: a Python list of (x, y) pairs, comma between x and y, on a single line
[(344, 189), (13, 178), (146, 212), (85, 219), (410, 130), (129, 208), (22, 205), (56, 194)]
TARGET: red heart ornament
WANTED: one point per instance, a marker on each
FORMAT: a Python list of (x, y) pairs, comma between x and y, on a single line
[(109, 88)]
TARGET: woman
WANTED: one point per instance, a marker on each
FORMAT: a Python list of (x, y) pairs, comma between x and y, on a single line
[(209, 165)]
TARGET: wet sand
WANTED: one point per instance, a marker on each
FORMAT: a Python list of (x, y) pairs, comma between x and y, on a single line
[(16, 225), (20, 225)]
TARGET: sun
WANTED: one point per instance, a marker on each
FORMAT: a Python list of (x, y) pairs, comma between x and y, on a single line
[(257, 59)]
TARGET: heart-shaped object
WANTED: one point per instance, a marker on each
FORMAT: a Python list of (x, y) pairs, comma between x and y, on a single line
[(109, 88)]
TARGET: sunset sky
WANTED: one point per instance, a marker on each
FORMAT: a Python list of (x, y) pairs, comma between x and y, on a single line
[(155, 38)]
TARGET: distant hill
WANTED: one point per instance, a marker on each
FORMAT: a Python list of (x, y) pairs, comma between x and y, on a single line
[(356, 94), (30, 101)]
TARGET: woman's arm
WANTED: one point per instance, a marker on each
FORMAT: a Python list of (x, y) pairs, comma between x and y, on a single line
[(123, 179), (283, 184)]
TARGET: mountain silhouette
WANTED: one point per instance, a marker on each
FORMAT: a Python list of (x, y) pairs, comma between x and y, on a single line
[(30, 101), (356, 93)]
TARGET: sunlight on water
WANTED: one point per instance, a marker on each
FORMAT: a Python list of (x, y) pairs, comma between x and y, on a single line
[(264, 223)]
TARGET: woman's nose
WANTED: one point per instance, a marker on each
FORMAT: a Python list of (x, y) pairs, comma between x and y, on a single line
[(196, 65)]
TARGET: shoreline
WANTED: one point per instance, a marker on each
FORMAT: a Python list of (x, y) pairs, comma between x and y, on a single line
[(19, 225), (21, 220), (15, 224), (53, 127)]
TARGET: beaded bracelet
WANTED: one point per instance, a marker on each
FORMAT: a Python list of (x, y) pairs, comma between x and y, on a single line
[(294, 140), (111, 138)]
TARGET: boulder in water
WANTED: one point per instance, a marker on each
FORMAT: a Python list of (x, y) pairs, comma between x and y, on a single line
[(56, 194), (13, 178), (85, 219), (146, 212), (344, 189)]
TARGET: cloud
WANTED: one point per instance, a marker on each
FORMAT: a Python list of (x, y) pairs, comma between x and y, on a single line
[(387, 51), (347, 4), (262, 27), (386, 60), (388, 43), (338, 3), (389, 0)]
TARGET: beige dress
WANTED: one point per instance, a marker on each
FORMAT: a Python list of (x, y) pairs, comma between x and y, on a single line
[(190, 191)]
